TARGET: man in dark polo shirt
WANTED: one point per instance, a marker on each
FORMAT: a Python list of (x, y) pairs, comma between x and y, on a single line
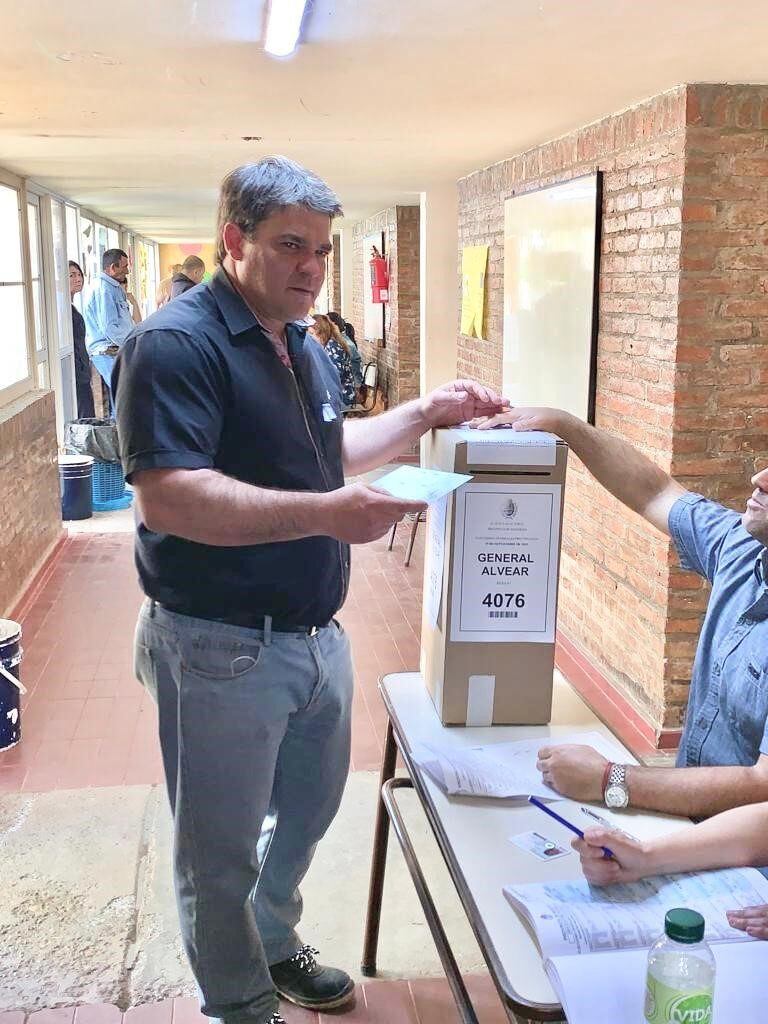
[(231, 430)]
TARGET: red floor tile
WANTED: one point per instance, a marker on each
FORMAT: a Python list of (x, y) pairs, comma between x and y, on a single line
[(150, 1013), (187, 1011), (99, 1013), (87, 722), (389, 1002), (62, 1015), (434, 1002)]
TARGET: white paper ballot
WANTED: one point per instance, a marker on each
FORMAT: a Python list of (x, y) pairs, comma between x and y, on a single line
[(500, 770), (504, 446), (611, 986), (414, 484), (435, 559)]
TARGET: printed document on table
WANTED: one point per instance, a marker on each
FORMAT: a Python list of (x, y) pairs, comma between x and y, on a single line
[(414, 484), (504, 446), (573, 917), (500, 770), (611, 986)]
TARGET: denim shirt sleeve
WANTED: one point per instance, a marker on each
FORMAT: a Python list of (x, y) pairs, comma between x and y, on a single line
[(699, 528)]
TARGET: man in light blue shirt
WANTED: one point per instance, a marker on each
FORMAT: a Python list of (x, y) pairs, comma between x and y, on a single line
[(723, 757), (107, 315)]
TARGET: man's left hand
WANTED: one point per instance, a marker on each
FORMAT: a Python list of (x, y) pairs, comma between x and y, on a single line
[(573, 770), (459, 401)]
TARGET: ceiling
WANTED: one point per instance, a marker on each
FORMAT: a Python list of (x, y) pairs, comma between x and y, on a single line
[(138, 110)]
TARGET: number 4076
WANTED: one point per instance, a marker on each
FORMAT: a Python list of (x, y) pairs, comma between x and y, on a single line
[(504, 600)]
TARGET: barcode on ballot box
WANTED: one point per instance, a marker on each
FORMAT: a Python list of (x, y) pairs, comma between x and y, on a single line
[(502, 615)]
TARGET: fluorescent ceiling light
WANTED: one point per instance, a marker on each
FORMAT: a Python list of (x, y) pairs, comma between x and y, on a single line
[(283, 26)]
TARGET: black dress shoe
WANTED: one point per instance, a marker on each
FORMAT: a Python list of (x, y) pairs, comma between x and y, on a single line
[(305, 982)]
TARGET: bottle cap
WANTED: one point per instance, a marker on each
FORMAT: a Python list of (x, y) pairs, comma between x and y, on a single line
[(684, 925)]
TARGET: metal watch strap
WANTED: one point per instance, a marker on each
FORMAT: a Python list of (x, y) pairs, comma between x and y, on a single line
[(617, 776)]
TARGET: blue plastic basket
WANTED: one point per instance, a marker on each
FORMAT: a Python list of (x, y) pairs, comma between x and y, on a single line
[(108, 482)]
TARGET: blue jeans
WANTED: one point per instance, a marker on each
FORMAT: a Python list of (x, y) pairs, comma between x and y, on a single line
[(105, 365), (255, 736)]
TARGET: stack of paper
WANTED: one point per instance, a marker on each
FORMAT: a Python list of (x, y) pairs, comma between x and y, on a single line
[(498, 769)]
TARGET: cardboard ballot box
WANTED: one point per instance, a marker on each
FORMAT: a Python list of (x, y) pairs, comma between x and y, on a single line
[(491, 577)]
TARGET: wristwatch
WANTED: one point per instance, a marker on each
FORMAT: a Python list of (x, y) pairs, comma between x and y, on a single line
[(616, 793)]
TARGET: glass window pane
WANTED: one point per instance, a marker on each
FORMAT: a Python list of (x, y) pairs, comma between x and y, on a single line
[(14, 365), (73, 247), (34, 238), (10, 235), (42, 376), (113, 239), (40, 345)]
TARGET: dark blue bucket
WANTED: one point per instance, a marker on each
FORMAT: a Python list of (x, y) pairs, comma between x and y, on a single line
[(76, 477), (10, 684)]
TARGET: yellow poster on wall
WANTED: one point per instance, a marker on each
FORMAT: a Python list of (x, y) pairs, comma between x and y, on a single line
[(474, 261)]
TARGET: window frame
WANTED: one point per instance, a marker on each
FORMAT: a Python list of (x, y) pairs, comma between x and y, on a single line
[(12, 392)]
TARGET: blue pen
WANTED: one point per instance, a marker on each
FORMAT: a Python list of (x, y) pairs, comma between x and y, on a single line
[(553, 814)]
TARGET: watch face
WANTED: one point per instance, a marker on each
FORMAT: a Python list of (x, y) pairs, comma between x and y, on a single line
[(616, 796)]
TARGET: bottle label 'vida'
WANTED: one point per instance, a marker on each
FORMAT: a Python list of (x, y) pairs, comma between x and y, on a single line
[(665, 1005)]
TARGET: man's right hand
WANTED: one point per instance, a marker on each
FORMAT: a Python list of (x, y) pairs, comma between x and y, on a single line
[(358, 513)]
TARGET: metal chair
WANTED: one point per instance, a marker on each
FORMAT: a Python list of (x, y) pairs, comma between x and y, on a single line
[(415, 518)]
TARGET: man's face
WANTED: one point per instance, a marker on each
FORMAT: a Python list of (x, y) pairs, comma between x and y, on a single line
[(281, 267), (755, 518), (119, 271)]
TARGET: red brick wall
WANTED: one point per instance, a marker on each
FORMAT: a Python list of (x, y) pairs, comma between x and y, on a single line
[(682, 362), (30, 508), (398, 360), (334, 276), (615, 576), (720, 428)]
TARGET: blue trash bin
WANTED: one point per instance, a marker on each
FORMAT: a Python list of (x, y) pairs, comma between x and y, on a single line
[(76, 478)]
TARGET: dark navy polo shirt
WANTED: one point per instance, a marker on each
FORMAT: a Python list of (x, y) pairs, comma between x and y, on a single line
[(199, 385)]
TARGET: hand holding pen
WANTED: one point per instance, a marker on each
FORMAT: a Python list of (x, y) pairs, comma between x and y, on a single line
[(563, 821)]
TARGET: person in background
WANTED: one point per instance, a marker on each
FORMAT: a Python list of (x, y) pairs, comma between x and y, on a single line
[(191, 273), (722, 761), (163, 293), (85, 406), (734, 839), (337, 349), (354, 352), (107, 315)]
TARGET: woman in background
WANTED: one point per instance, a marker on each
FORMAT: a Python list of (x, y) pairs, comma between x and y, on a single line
[(85, 407), (348, 334), (327, 334)]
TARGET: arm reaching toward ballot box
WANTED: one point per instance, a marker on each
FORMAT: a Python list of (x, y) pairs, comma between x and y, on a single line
[(629, 475), (735, 838)]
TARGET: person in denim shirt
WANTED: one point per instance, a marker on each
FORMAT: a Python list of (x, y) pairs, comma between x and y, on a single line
[(723, 757)]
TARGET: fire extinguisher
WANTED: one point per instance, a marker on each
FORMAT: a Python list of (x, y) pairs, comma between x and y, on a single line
[(379, 277)]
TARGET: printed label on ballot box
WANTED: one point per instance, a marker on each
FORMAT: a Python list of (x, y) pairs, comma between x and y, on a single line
[(506, 563)]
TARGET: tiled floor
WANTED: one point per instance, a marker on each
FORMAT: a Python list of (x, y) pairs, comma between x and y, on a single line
[(422, 1001), (86, 722), (85, 719)]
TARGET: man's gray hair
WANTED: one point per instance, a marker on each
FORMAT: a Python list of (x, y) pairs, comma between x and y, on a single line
[(253, 192)]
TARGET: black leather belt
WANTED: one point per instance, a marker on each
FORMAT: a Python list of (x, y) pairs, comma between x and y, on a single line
[(246, 620)]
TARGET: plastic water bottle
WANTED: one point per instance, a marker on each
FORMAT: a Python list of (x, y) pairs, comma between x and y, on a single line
[(681, 972)]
